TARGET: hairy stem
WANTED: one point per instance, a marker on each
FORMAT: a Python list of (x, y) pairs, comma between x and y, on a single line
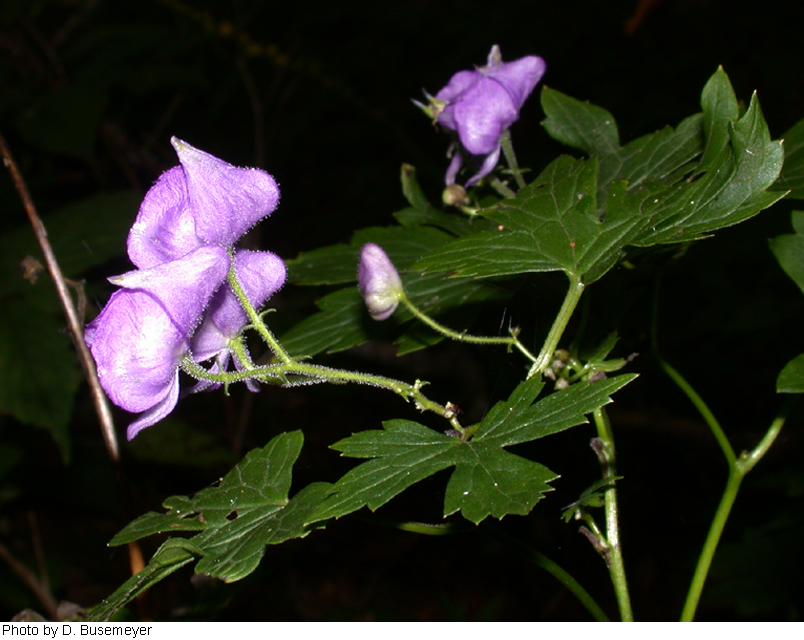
[(512, 341)]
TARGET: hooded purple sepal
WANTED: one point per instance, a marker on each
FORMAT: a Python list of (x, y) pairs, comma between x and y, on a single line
[(204, 201)]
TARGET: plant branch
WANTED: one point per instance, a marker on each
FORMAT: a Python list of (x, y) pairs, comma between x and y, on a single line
[(559, 325), (74, 323), (737, 471), (512, 341), (605, 450), (510, 158)]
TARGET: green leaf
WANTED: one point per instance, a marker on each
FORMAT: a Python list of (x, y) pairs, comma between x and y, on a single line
[(518, 421), (791, 379), (404, 453), (234, 550), (410, 188), (172, 555), (734, 188), (552, 224), (721, 108), (579, 124), (789, 250), (487, 481), (248, 510), (341, 325), (259, 481), (329, 265), (792, 176)]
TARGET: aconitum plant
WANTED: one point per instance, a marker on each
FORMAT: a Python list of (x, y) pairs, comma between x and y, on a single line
[(196, 297)]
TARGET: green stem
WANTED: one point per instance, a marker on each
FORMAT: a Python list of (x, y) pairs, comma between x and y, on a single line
[(464, 337), (552, 568), (737, 471), (710, 546), (278, 374), (510, 158), (255, 318), (615, 555), (559, 325), (738, 467), (701, 406)]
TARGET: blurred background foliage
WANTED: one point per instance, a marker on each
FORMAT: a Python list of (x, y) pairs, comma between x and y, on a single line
[(318, 93)]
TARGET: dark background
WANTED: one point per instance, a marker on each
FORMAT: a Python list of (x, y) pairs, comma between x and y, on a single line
[(318, 94)]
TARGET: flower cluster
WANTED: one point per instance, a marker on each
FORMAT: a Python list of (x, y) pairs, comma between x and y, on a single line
[(480, 105), (176, 302)]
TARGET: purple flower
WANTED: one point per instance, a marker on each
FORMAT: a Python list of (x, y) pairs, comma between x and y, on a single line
[(261, 274), (144, 331), (187, 224), (379, 282), (480, 105), (204, 201)]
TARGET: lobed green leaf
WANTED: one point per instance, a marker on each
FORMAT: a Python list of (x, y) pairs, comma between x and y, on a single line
[(487, 480)]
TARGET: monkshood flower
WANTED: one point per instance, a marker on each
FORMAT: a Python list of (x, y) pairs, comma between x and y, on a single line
[(379, 282), (144, 331), (204, 201), (260, 274), (188, 223), (480, 105)]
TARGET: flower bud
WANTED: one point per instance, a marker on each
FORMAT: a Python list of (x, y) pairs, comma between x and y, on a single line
[(455, 195), (379, 282)]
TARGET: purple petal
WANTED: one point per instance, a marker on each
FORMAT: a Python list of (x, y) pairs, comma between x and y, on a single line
[(165, 226), (459, 84), (482, 104), (205, 201), (137, 349), (519, 77), (227, 201), (489, 162), (143, 332), (184, 287), (157, 412), (482, 115), (454, 166)]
